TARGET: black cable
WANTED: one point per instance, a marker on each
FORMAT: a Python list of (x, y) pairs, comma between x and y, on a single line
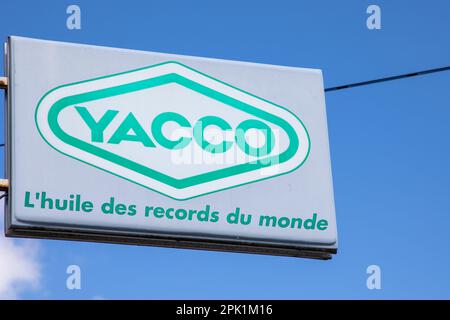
[(402, 76)]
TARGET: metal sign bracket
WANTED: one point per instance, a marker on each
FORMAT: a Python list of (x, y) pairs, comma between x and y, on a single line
[(3, 83)]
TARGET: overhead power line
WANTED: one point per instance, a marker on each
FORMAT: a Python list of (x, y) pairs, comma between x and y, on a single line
[(391, 78)]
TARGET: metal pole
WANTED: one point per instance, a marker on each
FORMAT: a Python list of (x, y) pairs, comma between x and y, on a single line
[(3, 82), (4, 184)]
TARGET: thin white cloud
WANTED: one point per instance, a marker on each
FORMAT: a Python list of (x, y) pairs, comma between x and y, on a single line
[(20, 269)]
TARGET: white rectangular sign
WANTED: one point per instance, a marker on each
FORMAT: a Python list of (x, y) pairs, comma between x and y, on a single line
[(127, 146)]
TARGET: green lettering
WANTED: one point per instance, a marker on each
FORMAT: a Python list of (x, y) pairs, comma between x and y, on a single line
[(255, 151), (199, 130), (97, 127), (159, 122), (130, 123), (322, 224), (27, 200), (267, 220)]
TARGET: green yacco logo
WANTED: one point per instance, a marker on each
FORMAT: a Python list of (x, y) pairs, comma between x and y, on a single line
[(172, 129)]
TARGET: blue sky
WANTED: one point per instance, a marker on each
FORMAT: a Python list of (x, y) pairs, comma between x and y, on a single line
[(389, 145)]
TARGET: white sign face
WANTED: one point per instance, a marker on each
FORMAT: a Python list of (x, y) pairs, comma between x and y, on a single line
[(127, 146)]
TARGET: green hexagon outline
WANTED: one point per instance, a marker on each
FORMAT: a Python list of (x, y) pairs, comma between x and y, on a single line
[(161, 80)]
